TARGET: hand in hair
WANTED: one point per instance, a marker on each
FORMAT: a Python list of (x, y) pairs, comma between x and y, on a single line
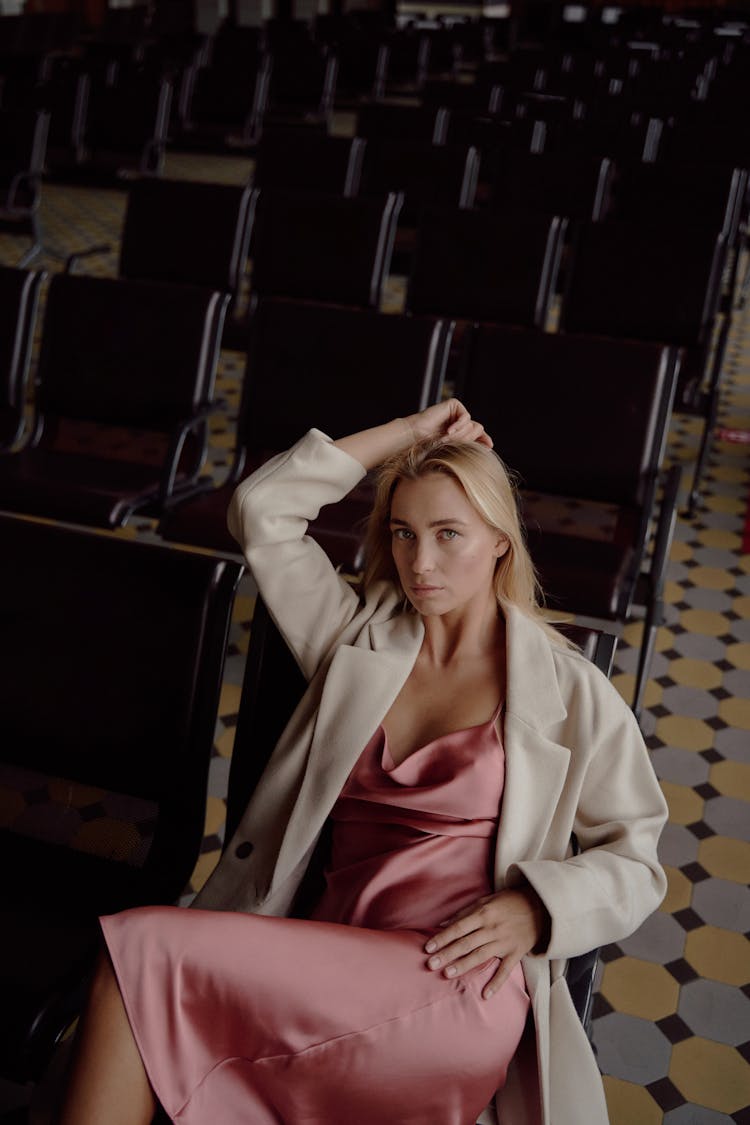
[(506, 925), (449, 419)]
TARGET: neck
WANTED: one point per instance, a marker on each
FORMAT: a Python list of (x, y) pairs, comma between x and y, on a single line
[(475, 630)]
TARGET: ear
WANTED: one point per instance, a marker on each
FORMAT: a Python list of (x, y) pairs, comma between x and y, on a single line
[(502, 546)]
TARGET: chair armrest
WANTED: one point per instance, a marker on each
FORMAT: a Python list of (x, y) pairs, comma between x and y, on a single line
[(665, 529), (72, 259), (167, 487)]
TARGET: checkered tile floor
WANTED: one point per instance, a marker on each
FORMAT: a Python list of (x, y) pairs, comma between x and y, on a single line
[(673, 1012)]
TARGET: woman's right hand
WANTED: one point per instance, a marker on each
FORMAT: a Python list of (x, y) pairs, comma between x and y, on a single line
[(449, 419)]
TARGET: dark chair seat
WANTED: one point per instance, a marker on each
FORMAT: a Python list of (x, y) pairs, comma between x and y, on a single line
[(583, 576), (90, 490)]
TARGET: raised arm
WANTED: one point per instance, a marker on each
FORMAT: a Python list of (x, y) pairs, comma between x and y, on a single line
[(270, 511)]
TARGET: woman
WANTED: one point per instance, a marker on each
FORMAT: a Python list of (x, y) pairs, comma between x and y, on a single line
[(453, 743)]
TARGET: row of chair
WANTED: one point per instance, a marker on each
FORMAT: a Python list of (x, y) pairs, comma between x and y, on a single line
[(623, 279)]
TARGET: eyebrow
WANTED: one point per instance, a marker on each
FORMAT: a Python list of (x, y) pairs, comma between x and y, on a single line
[(433, 523)]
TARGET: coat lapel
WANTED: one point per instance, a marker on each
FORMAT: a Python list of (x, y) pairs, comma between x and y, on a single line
[(535, 765), (361, 684)]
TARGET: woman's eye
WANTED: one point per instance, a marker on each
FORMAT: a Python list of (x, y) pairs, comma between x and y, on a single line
[(448, 533), (402, 533)]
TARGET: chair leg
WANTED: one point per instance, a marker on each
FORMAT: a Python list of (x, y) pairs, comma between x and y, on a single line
[(654, 618), (705, 448)]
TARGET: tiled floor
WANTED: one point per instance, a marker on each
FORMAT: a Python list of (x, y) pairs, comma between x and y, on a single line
[(673, 1013)]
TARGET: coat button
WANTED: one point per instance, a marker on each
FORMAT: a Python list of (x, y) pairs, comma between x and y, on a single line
[(243, 850)]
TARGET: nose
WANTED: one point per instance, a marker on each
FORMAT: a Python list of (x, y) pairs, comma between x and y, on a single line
[(423, 562)]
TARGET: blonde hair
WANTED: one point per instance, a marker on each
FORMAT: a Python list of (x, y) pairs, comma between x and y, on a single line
[(490, 489)]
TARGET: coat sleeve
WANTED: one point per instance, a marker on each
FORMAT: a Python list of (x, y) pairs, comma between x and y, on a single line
[(268, 516), (603, 893)]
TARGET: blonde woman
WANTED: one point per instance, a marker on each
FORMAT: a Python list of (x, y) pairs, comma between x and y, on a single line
[(450, 743)]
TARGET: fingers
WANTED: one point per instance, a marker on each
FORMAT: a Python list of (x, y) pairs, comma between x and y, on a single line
[(498, 979)]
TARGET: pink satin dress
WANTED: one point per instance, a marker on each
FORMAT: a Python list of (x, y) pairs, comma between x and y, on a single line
[(243, 1019)]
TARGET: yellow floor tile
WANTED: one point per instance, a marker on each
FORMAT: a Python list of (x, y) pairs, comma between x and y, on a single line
[(680, 551), (679, 891), (216, 814), (711, 1074), (735, 712), (628, 1104), (739, 654), (732, 779), (718, 537), (705, 621), (203, 868), (719, 955), (695, 673), (725, 858), (225, 742), (640, 988), (684, 733), (229, 701), (712, 578)]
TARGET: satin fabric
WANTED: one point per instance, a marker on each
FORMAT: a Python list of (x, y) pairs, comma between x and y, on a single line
[(336, 1019)]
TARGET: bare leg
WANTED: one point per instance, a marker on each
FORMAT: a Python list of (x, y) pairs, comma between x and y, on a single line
[(107, 1080)]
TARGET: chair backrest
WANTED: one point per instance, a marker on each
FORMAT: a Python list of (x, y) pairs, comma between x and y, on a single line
[(130, 115), (184, 232), (290, 159), (428, 175), (477, 266), (128, 353), (336, 368), (670, 191), (303, 79), (643, 282), (19, 299), (578, 187), (107, 714), (576, 416), (324, 248), (404, 123)]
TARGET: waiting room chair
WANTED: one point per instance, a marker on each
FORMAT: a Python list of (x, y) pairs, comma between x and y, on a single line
[(125, 132), (107, 719), (578, 187), (644, 282), (583, 421), (474, 265), (306, 160), (335, 368), (19, 300), (324, 248), (377, 121), (125, 381), (185, 232), (221, 107)]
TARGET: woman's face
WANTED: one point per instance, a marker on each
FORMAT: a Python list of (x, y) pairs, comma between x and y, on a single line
[(444, 552)]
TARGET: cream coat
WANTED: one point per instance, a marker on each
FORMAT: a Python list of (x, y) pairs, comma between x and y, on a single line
[(575, 763)]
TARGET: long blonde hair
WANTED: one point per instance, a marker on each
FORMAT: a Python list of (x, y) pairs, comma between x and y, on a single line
[(490, 489)]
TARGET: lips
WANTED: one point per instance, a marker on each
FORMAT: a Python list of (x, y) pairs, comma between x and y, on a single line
[(422, 590)]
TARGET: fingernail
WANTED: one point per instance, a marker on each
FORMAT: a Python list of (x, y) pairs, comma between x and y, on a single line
[(451, 971), (430, 946), (488, 992), (434, 962)]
